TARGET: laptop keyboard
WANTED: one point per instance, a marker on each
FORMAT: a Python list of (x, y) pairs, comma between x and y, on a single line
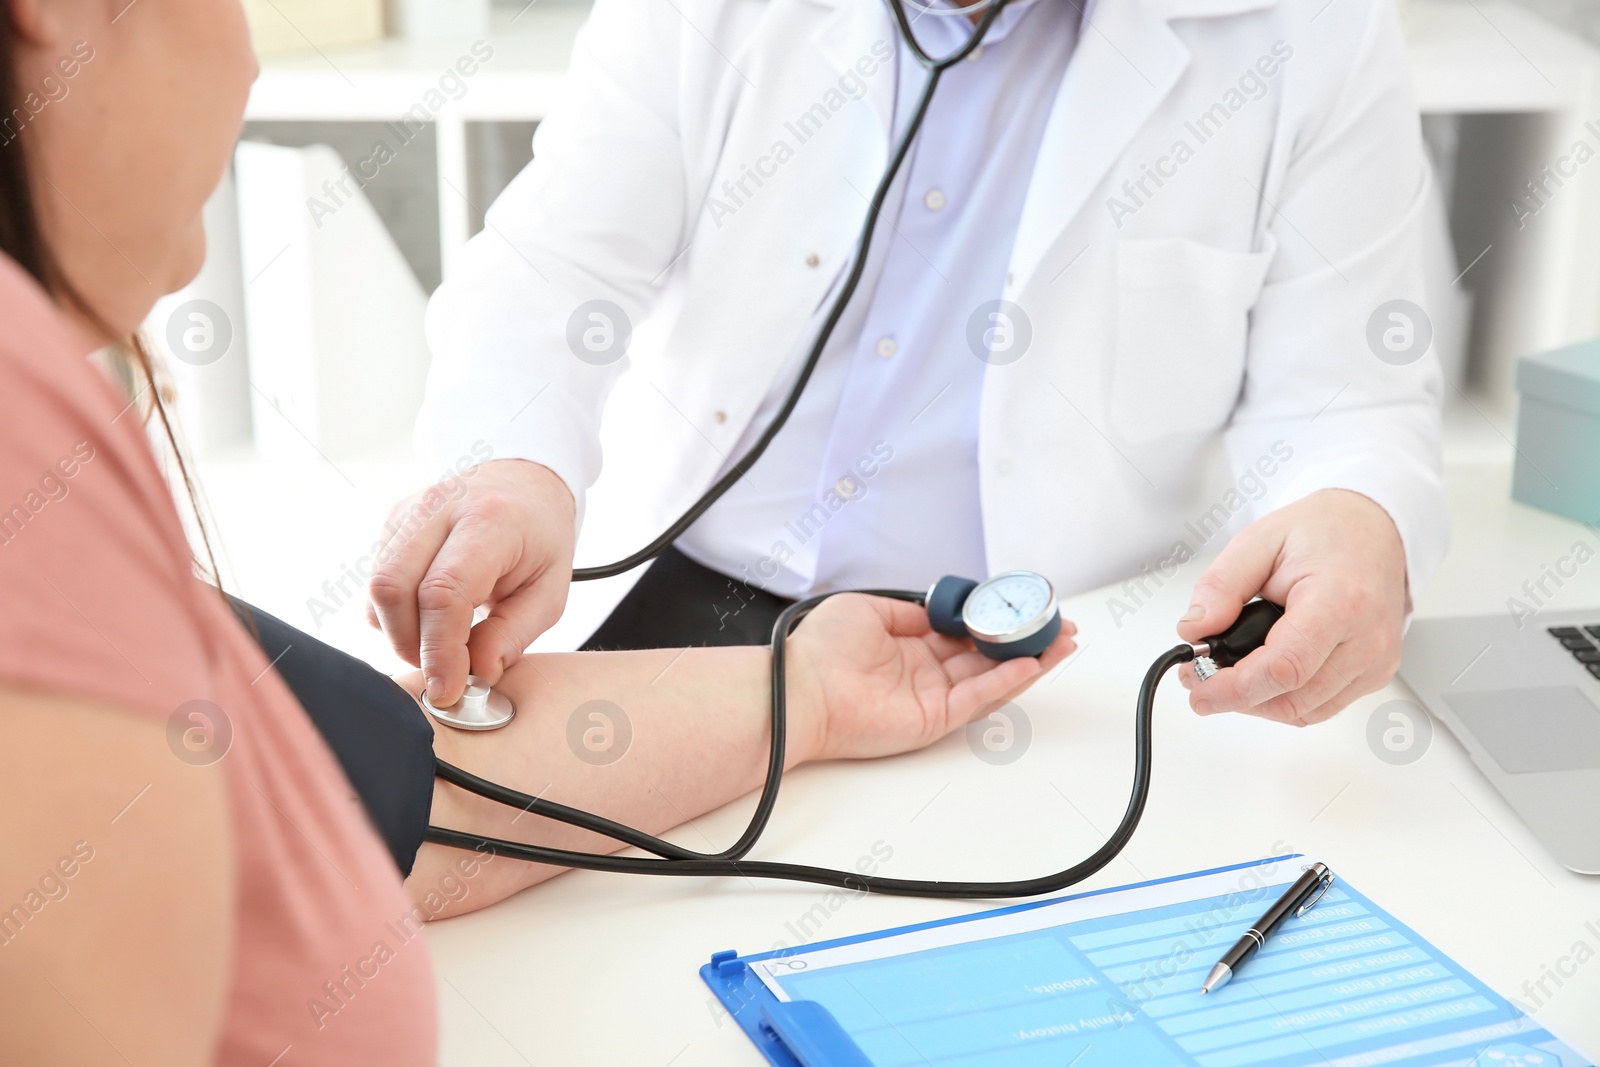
[(1583, 642)]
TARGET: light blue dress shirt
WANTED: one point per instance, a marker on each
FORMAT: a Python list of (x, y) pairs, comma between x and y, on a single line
[(873, 482)]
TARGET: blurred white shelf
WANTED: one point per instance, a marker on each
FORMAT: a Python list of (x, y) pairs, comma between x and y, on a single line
[(1467, 56), (381, 82), (1490, 57), (528, 54)]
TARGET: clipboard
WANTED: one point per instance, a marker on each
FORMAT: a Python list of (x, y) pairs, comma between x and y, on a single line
[(1112, 976)]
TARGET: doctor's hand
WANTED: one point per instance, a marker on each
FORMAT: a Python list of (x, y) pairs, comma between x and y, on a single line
[(504, 542), (1335, 561), (875, 680)]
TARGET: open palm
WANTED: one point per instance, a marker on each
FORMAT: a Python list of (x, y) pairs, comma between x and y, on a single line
[(884, 682)]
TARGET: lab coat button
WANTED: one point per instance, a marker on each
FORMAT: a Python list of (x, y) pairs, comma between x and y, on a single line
[(846, 487), (1004, 466), (813, 260), (719, 417), (886, 347), (934, 199)]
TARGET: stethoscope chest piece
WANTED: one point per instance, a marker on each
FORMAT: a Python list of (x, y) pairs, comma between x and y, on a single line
[(480, 708)]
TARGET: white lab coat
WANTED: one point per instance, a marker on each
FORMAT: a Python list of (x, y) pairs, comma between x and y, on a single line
[(1232, 299)]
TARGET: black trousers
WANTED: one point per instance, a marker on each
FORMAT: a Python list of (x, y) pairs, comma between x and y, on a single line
[(679, 603)]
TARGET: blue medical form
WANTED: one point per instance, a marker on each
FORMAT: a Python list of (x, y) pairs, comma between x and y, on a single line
[(1112, 979)]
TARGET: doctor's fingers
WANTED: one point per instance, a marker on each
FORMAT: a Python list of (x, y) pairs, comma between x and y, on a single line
[(1308, 713), (480, 560), (1296, 649), (515, 621), (1242, 571), (1333, 686), (1364, 664), (392, 589)]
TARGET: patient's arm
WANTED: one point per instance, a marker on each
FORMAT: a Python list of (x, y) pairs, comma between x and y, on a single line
[(116, 889), (866, 678)]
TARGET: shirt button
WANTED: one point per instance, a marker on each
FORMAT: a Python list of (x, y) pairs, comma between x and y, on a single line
[(975, 53), (813, 260), (719, 417), (886, 347), (846, 487), (1004, 466), (933, 199)]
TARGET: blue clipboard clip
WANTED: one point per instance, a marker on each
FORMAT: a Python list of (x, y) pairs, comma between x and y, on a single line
[(794, 1033)]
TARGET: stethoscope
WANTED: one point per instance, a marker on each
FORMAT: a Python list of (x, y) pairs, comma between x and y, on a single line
[(1009, 615)]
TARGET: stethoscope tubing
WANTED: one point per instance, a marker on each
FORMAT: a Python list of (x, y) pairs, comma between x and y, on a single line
[(902, 148), (787, 621), (672, 860)]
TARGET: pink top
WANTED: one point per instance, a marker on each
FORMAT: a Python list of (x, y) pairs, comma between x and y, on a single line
[(100, 601)]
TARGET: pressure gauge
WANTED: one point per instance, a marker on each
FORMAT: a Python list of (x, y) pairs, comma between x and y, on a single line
[(1011, 615)]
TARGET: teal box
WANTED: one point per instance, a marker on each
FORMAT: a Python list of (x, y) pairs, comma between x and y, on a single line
[(1558, 432)]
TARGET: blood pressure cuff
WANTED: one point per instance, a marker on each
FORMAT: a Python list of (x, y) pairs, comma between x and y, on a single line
[(376, 729)]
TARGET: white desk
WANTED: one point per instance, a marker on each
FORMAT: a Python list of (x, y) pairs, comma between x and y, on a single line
[(536, 979)]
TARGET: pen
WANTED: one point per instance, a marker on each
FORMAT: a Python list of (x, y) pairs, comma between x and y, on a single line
[(1317, 878)]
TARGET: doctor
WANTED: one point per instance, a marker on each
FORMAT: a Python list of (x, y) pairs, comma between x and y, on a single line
[(1119, 237)]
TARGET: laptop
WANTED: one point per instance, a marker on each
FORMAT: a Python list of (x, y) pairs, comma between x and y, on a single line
[(1523, 697)]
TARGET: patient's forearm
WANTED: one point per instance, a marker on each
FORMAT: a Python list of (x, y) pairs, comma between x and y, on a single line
[(689, 731), (651, 739)]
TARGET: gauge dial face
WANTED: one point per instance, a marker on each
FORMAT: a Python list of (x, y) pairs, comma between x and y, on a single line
[(1009, 606)]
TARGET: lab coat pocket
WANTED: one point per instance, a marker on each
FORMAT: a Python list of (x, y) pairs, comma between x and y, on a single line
[(1183, 323)]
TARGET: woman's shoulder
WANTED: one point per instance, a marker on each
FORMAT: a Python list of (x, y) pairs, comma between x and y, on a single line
[(92, 552), (50, 385)]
